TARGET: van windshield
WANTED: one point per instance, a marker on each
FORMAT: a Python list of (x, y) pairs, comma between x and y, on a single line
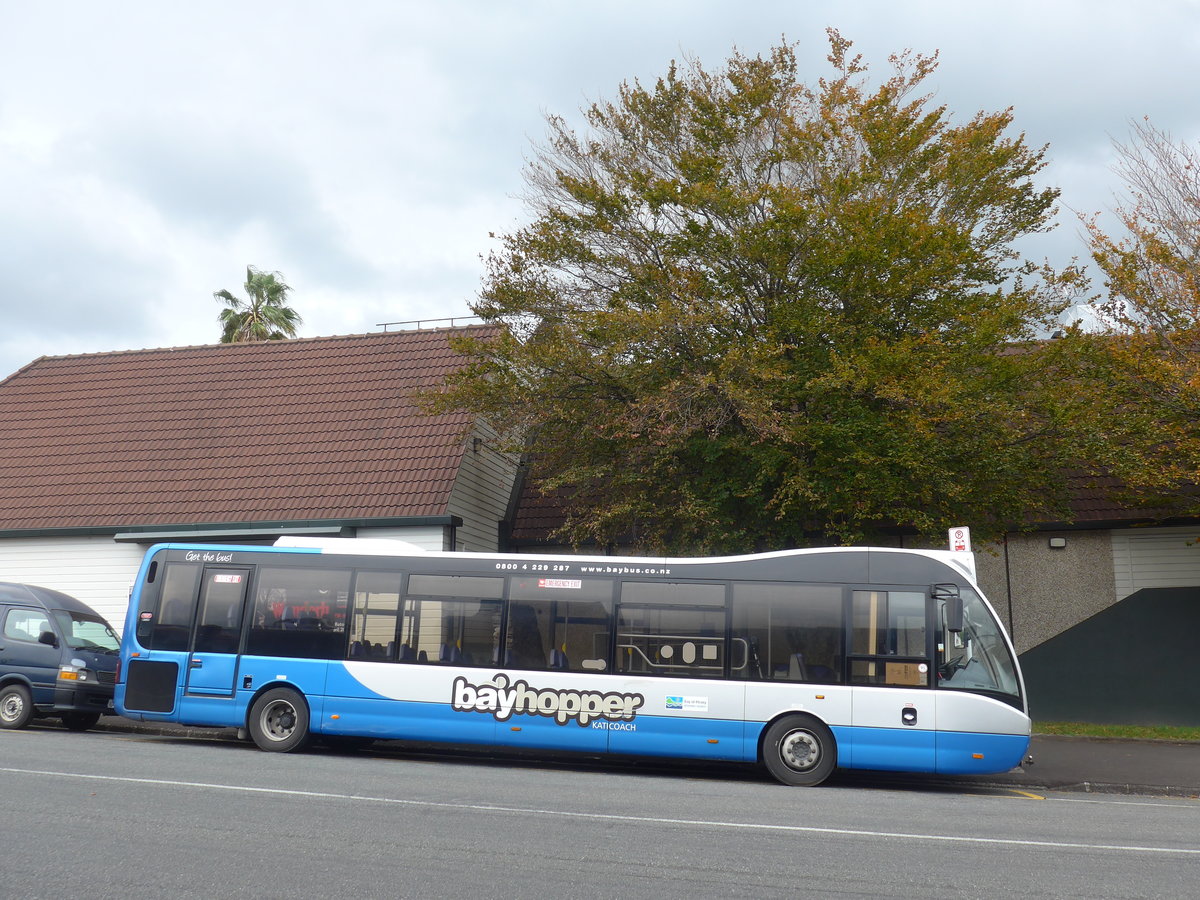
[(85, 632)]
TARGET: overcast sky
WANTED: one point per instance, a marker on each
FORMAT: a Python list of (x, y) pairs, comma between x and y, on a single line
[(149, 151)]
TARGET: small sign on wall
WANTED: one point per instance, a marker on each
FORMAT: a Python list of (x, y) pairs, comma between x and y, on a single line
[(960, 539)]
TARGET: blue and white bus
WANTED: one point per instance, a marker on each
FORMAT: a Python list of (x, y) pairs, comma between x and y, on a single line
[(803, 660)]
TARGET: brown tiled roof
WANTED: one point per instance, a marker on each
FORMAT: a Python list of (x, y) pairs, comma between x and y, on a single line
[(537, 514), (1096, 500), (280, 431)]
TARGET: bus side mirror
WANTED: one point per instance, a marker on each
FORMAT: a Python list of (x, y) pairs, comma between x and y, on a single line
[(954, 605)]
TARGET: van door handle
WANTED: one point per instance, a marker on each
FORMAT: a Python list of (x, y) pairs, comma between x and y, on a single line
[(196, 664)]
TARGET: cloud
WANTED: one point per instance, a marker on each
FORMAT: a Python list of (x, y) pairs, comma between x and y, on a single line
[(150, 151)]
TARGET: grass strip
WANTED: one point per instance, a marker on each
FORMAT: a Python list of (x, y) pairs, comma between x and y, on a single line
[(1137, 732)]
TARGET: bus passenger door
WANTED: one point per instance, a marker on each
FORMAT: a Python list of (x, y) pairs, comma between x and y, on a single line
[(893, 712), (212, 663)]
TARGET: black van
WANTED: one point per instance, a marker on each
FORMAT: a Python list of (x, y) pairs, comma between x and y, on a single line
[(57, 658)]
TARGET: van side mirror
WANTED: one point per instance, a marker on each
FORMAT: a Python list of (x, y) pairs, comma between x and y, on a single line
[(954, 605), (48, 638)]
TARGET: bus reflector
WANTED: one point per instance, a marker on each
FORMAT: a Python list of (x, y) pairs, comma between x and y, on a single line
[(335, 716), (713, 741), (820, 696), (976, 756)]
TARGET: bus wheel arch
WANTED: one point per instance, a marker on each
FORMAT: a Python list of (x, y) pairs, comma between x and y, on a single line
[(798, 749), (279, 719)]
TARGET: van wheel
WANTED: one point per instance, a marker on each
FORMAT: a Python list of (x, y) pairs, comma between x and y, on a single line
[(80, 721), (16, 706), (279, 721), (799, 750)]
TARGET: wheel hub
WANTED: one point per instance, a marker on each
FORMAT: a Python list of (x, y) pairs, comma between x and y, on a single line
[(800, 750), (280, 721)]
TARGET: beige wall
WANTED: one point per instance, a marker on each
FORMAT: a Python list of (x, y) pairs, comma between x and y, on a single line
[(1047, 590)]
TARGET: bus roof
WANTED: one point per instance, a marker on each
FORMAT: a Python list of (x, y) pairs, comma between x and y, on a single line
[(964, 562)]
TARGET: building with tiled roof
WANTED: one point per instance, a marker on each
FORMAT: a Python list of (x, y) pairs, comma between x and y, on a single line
[(103, 454)]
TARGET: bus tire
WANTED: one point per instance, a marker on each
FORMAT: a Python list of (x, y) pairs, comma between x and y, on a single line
[(799, 750), (16, 706), (80, 721), (279, 721)]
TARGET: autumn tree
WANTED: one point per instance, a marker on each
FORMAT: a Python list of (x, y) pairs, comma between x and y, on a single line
[(750, 312), (1150, 347), (263, 316)]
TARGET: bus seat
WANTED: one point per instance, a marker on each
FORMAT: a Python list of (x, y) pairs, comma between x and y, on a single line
[(558, 659), (391, 649), (406, 653), (356, 649), (422, 656), (449, 653)]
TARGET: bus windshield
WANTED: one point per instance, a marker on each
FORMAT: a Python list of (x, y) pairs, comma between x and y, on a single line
[(977, 658)]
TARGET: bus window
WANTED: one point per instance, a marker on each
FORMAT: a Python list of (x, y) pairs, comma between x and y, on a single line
[(787, 632), (888, 638), (376, 617), (219, 623), (681, 634), (452, 619), (169, 627), (299, 612), (559, 623)]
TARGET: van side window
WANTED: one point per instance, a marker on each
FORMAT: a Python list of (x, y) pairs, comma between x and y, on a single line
[(26, 625)]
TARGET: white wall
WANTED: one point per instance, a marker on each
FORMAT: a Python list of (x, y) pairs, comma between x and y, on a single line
[(428, 538), (100, 571), (96, 570)]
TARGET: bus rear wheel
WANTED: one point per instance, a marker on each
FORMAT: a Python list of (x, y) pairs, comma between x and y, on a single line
[(279, 721), (799, 750)]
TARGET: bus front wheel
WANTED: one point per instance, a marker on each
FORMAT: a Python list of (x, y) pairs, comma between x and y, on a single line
[(279, 721), (799, 750)]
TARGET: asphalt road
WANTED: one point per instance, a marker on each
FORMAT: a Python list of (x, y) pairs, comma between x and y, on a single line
[(102, 815)]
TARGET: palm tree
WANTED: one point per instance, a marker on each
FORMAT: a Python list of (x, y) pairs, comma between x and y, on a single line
[(264, 317)]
